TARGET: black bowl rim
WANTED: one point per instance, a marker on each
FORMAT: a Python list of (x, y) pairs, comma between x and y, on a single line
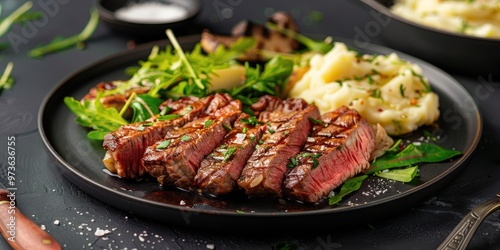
[(109, 16), (376, 5)]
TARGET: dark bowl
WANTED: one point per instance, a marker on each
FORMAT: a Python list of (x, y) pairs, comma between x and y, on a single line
[(143, 30), (463, 54)]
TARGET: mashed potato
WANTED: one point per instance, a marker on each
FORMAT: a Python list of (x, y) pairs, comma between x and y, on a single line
[(383, 88), (472, 17)]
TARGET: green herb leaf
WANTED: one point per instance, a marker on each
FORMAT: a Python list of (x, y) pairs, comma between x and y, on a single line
[(6, 81), (168, 117), (227, 154), (145, 106), (348, 187), (94, 115), (316, 121), (208, 123), (185, 138), (411, 155), (402, 175), (6, 23), (96, 135), (62, 44), (270, 81), (163, 144)]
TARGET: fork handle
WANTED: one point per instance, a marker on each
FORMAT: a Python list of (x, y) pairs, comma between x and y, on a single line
[(460, 237)]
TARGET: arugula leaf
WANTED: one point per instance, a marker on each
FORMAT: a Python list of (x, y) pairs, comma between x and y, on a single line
[(402, 175), (412, 154), (94, 115), (144, 106), (348, 187), (259, 82), (97, 135)]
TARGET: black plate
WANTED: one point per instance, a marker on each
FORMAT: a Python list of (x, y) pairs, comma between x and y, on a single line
[(80, 161), (461, 53)]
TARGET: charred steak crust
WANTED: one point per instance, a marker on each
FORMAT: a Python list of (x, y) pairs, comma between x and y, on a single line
[(287, 127), (125, 147), (339, 148), (175, 159), (220, 169)]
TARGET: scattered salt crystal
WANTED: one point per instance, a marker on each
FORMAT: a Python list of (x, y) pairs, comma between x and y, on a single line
[(42, 227), (100, 232), (141, 238), (239, 138), (56, 222), (210, 246), (182, 203)]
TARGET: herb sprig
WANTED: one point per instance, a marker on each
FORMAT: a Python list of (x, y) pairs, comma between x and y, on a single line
[(7, 22), (59, 44), (6, 81)]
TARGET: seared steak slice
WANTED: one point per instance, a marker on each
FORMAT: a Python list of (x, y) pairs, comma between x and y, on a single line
[(176, 158), (287, 128), (338, 149), (125, 147), (220, 170)]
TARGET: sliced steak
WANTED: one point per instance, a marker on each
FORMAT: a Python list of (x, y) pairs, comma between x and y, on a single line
[(125, 147), (338, 149), (175, 159), (220, 170), (287, 127)]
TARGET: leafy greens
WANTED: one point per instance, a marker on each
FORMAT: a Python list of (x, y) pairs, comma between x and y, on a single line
[(398, 165)]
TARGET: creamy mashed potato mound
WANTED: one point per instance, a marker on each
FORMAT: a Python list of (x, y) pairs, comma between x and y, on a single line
[(382, 88), (472, 17)]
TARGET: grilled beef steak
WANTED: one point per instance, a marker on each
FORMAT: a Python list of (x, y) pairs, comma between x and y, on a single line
[(266, 39), (220, 170), (287, 127), (338, 149), (175, 159), (125, 147)]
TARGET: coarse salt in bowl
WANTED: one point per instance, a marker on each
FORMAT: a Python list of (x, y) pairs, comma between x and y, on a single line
[(148, 19)]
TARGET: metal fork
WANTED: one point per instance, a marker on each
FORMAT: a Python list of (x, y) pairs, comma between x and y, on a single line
[(460, 237)]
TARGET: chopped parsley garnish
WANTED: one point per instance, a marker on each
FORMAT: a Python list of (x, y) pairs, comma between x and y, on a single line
[(376, 93), (208, 123), (422, 80), (227, 154), (185, 138), (315, 163), (168, 117), (186, 110), (227, 127), (244, 130), (316, 121), (252, 121), (252, 137), (270, 129), (402, 90), (293, 163), (164, 144)]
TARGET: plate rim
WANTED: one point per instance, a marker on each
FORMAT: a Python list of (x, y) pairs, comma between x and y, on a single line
[(144, 48)]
